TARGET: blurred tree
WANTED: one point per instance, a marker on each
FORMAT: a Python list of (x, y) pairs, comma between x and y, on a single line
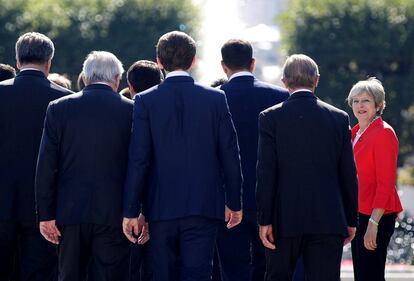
[(128, 28), (352, 40)]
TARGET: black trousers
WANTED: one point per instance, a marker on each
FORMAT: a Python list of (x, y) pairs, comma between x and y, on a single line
[(182, 249), (25, 254), (140, 268), (321, 258), (240, 251), (94, 253), (370, 265)]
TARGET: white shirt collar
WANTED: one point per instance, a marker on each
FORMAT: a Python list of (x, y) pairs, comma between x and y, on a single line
[(240, 73), (301, 90), (29, 68), (177, 73)]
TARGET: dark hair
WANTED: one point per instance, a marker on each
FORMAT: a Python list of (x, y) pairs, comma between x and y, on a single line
[(237, 54), (219, 82), (33, 47), (6, 72), (144, 74), (176, 50)]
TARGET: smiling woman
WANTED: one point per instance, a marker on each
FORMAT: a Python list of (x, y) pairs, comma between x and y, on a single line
[(376, 150)]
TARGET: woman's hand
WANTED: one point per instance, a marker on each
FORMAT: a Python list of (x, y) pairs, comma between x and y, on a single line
[(370, 238)]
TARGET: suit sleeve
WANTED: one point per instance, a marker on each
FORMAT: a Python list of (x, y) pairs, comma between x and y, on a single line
[(385, 157), (230, 158), (47, 168), (266, 171), (140, 150), (348, 176)]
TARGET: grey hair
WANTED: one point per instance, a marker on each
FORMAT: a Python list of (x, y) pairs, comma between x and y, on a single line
[(372, 87), (300, 71), (101, 66), (34, 47)]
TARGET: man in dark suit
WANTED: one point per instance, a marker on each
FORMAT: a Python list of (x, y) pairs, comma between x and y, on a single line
[(183, 148), (23, 102), (80, 174), (142, 75), (240, 249), (306, 179)]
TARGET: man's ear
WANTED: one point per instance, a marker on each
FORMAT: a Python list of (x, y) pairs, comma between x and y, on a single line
[(48, 65), (252, 65), (225, 68), (131, 89), (18, 65), (316, 81), (193, 62), (159, 63), (284, 81)]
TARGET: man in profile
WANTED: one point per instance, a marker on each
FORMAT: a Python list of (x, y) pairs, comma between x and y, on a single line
[(306, 179), (80, 174), (23, 103), (241, 252), (183, 148)]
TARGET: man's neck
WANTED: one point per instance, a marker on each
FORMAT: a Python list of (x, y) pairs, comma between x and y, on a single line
[(298, 89), (39, 67)]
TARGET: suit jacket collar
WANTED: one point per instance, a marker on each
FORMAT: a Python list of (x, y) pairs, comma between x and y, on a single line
[(302, 94), (97, 87), (242, 78), (174, 79), (31, 72)]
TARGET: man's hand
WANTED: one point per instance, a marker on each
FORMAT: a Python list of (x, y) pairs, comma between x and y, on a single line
[(351, 235), (370, 237), (233, 218), (132, 227), (50, 231), (144, 237), (266, 235)]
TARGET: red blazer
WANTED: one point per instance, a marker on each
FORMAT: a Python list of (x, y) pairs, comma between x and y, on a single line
[(376, 155)]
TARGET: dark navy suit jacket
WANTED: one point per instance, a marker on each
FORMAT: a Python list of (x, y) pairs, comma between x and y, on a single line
[(306, 176), (247, 97), (183, 149), (83, 158), (23, 103)]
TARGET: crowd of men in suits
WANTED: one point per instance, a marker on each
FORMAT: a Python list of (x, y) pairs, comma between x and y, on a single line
[(96, 186)]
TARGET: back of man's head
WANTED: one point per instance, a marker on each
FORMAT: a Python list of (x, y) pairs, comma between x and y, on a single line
[(102, 66), (176, 51), (6, 72), (237, 54), (144, 74), (34, 48), (300, 71)]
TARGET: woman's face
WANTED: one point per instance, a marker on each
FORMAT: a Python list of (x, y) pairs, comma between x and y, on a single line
[(363, 106)]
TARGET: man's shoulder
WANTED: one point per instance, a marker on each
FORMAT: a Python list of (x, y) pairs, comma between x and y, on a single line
[(334, 110), (66, 99)]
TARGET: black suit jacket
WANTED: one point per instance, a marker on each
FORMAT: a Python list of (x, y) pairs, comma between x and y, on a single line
[(247, 97), (83, 157), (183, 141), (306, 177), (23, 103)]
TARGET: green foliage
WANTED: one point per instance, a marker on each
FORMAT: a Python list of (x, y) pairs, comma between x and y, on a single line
[(355, 39), (128, 28)]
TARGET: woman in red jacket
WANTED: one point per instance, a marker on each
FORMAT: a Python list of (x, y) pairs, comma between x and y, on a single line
[(376, 150)]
